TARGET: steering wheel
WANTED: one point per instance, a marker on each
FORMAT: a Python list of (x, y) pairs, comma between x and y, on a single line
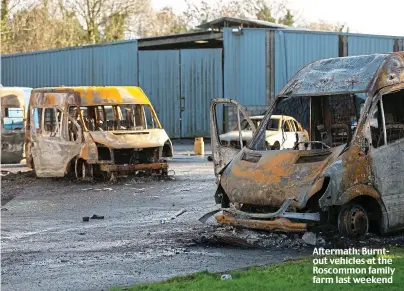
[(311, 142)]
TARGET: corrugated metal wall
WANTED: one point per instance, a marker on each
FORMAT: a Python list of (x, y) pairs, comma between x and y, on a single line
[(180, 85), (201, 81), (293, 50), (159, 77), (91, 65), (244, 66), (362, 45), (115, 64)]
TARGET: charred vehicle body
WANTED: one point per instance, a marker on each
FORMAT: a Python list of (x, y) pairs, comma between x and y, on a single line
[(94, 131), (349, 173), (13, 114)]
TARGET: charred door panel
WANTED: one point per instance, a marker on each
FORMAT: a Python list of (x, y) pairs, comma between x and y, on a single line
[(52, 156), (12, 146), (223, 153), (388, 167), (50, 150), (387, 129)]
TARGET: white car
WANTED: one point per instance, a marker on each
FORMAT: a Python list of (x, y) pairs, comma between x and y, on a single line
[(280, 132)]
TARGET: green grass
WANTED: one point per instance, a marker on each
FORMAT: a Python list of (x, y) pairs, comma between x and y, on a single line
[(293, 275)]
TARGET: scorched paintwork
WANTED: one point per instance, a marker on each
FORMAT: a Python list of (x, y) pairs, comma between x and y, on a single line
[(74, 144), (355, 184), (12, 138)]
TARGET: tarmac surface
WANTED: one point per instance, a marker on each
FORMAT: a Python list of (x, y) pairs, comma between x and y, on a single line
[(47, 246)]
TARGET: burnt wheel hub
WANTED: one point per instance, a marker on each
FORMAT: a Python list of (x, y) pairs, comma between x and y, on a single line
[(353, 221)]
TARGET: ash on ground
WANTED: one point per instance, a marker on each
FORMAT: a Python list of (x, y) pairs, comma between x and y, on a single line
[(247, 238)]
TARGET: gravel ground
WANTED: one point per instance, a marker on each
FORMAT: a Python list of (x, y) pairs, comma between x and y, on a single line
[(47, 246)]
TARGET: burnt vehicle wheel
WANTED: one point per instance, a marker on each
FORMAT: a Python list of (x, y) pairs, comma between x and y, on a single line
[(353, 220)]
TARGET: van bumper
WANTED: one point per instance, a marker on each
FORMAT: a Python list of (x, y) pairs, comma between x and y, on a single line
[(133, 168)]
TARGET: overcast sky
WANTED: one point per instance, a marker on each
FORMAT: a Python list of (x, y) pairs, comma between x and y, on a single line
[(363, 16)]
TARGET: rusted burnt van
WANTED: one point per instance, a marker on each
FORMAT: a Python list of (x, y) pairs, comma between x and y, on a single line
[(349, 174), (94, 131), (13, 114)]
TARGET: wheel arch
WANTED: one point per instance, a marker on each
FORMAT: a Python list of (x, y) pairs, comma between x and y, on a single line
[(370, 199)]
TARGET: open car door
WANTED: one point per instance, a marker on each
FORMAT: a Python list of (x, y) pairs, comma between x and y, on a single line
[(224, 149)]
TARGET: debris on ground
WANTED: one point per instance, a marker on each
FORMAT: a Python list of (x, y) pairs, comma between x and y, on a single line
[(178, 213), (97, 216), (229, 236), (86, 218), (226, 277), (310, 238)]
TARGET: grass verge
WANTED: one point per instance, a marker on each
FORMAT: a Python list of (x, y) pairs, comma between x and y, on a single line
[(293, 275)]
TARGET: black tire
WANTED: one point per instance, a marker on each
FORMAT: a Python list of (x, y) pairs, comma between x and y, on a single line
[(353, 220)]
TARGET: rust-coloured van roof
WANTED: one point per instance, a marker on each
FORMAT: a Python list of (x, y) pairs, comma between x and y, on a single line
[(89, 96), (364, 73)]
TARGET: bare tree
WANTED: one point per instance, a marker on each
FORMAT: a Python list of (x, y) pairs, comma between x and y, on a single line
[(268, 10), (42, 25), (101, 17), (323, 25)]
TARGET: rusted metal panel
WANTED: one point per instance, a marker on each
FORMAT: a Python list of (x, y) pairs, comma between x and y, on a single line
[(335, 76), (89, 96), (280, 224), (13, 114), (201, 81), (354, 183), (62, 139)]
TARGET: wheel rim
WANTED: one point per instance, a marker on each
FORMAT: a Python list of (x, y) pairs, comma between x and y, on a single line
[(354, 221)]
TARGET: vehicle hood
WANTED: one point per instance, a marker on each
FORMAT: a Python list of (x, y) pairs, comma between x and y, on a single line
[(121, 139), (268, 178), (246, 135)]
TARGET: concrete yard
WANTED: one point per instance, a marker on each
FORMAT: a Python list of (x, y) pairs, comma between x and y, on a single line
[(47, 246)]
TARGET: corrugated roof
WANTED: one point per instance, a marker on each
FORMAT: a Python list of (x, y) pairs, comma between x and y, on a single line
[(242, 22)]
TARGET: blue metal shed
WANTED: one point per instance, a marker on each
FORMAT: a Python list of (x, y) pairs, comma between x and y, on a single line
[(106, 64)]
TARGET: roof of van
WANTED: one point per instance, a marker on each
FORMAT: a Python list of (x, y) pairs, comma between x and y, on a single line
[(14, 96), (93, 95), (353, 74)]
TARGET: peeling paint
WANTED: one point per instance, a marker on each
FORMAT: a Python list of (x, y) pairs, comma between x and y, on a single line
[(338, 172), (70, 145), (12, 135)]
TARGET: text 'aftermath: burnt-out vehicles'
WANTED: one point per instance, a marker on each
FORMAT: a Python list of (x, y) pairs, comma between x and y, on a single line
[(349, 173)]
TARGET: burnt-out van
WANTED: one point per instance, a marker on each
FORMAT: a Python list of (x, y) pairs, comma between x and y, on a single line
[(94, 131), (350, 171), (14, 102)]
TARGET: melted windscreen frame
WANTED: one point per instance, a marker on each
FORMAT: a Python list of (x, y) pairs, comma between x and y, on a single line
[(303, 109), (110, 117)]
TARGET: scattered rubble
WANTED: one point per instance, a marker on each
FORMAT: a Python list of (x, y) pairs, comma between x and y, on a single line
[(229, 236), (310, 238), (226, 277), (178, 213)]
